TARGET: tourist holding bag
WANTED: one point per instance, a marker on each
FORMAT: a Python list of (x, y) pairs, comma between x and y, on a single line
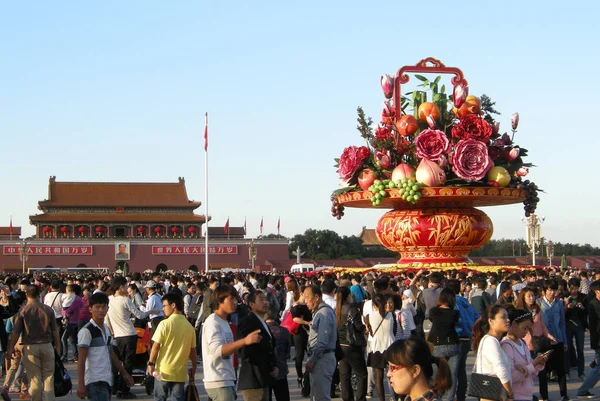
[(492, 370)]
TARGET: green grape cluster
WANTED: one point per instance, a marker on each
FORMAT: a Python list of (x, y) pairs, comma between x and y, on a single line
[(378, 188), (410, 189)]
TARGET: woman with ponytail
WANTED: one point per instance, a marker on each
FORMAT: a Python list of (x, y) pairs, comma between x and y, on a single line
[(410, 370), (491, 359)]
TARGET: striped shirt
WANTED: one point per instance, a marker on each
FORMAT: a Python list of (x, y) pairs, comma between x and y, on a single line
[(97, 341)]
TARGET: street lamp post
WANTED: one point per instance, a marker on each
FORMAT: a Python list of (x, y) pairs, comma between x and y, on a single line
[(534, 232), (252, 251), (23, 254), (550, 252)]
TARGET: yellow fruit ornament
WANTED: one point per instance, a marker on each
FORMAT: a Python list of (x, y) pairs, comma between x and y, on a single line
[(498, 175)]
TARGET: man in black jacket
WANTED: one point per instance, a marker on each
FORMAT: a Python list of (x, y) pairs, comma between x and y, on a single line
[(258, 362), (594, 320)]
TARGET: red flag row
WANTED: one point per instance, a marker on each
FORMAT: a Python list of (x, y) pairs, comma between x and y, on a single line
[(226, 226)]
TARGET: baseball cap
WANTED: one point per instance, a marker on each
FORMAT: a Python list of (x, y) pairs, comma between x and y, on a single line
[(150, 284)]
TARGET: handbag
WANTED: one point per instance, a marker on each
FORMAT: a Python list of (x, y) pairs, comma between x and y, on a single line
[(62, 380), (541, 344), (485, 386), (352, 336), (289, 324)]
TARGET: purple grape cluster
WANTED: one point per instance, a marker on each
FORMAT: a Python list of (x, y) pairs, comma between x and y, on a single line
[(337, 210), (531, 199)]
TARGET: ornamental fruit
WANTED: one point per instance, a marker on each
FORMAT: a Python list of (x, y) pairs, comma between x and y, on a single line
[(430, 174), (498, 175), (426, 109), (407, 125), (402, 171), (472, 105), (366, 179)]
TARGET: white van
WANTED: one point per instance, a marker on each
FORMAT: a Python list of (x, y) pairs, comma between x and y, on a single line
[(302, 268)]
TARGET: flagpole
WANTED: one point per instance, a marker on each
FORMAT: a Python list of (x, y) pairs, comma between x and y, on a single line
[(206, 192)]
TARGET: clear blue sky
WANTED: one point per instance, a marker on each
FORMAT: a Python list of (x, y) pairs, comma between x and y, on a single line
[(116, 91)]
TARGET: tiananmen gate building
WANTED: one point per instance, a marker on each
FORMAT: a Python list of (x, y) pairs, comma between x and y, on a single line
[(144, 225)]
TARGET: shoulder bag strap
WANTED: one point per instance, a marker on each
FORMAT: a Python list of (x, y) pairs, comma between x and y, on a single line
[(54, 300), (379, 324)]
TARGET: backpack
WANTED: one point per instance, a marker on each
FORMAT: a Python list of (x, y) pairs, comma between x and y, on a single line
[(195, 306)]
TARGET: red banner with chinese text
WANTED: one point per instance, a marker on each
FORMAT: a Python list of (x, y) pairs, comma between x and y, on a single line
[(49, 250), (194, 250)]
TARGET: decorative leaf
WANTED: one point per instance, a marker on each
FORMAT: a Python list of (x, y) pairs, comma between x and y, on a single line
[(437, 80), (421, 78), (443, 89)]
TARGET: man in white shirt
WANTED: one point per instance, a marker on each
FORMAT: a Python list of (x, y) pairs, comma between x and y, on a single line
[(121, 308), (54, 300), (328, 288), (218, 346)]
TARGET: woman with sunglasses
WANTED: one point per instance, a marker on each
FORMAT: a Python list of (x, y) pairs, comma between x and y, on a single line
[(410, 370)]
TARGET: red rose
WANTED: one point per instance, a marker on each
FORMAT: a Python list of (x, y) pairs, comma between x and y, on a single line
[(472, 127), (470, 160), (431, 144), (351, 160)]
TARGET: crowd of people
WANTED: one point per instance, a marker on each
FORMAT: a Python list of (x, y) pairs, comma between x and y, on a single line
[(408, 333)]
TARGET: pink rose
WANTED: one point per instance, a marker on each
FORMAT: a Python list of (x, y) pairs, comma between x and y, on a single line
[(351, 160), (470, 160), (431, 144)]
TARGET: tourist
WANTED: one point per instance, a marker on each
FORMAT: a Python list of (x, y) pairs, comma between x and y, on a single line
[(506, 296), (153, 304), (480, 298), (409, 314), (303, 317), (321, 344), (174, 342), (37, 340), (96, 355), (464, 330), (444, 319), (54, 300), (358, 292), (553, 312), (594, 320), (282, 354), (218, 345), (72, 304), (16, 379), (382, 331), (490, 358), (410, 370), (121, 308), (523, 368), (576, 316), (258, 370), (328, 288), (187, 301), (291, 286), (430, 296), (351, 336)]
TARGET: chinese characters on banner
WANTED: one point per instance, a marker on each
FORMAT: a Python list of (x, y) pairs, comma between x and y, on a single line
[(49, 250), (194, 250)]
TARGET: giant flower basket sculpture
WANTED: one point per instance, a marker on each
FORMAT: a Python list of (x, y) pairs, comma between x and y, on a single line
[(433, 167)]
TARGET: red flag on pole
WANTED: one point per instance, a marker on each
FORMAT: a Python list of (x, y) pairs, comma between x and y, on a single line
[(10, 231), (278, 224), (244, 225), (261, 224), (226, 228), (205, 132)]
